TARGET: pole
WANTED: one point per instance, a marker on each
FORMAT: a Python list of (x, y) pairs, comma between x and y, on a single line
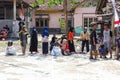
[(14, 9)]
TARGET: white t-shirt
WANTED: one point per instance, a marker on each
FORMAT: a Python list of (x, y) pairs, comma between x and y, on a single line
[(106, 35)]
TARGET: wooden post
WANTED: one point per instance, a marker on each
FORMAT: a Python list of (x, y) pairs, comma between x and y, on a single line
[(66, 16), (14, 9)]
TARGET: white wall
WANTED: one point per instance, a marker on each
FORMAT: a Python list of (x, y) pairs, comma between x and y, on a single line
[(54, 20), (80, 13)]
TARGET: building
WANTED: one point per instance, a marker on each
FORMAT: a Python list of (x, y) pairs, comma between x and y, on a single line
[(9, 15), (84, 14), (105, 10), (81, 15)]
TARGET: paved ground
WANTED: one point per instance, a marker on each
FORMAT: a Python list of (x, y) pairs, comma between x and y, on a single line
[(75, 67), (38, 67)]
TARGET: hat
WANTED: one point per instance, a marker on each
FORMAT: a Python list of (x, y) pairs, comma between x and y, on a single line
[(93, 23)]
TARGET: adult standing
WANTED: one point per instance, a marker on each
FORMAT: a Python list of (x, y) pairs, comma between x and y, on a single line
[(45, 35), (21, 23), (70, 40), (93, 41), (107, 38), (85, 40), (23, 38), (34, 41)]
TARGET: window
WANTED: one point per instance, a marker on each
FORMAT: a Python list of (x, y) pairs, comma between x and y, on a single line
[(1, 13), (87, 21), (42, 22)]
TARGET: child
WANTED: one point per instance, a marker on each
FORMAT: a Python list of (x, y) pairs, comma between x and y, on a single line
[(10, 50), (103, 51), (54, 39), (56, 51), (3, 35), (118, 46), (65, 47)]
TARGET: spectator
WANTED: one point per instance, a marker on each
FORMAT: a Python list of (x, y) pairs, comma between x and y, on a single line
[(3, 35), (45, 35), (23, 39), (93, 41), (107, 38), (54, 39), (70, 40), (33, 41), (85, 40), (65, 47), (21, 23), (63, 37)]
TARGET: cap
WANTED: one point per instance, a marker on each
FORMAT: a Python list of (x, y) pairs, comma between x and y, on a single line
[(10, 41), (93, 23)]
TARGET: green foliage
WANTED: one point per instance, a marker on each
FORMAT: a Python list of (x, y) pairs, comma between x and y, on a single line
[(37, 3), (73, 3), (97, 1), (62, 23), (50, 3), (89, 4)]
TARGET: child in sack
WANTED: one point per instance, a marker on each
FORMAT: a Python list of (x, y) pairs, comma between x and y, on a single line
[(56, 51), (10, 50), (103, 51)]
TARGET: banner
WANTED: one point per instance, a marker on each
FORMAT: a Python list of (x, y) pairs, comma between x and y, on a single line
[(117, 20), (22, 12)]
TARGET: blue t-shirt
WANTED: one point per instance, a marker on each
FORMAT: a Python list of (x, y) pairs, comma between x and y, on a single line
[(118, 42)]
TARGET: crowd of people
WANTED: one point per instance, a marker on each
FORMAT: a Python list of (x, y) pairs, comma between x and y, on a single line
[(99, 45)]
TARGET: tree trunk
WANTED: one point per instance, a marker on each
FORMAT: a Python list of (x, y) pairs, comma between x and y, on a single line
[(66, 16)]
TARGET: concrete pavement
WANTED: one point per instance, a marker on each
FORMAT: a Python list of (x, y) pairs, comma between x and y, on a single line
[(74, 67)]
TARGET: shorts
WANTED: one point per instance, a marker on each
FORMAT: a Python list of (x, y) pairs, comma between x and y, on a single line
[(107, 45), (93, 47)]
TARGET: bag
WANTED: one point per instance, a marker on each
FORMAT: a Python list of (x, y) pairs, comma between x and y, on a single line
[(10, 50), (56, 51)]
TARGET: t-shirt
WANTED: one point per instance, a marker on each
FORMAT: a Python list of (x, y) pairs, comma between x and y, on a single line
[(118, 42), (70, 36), (107, 35), (93, 37)]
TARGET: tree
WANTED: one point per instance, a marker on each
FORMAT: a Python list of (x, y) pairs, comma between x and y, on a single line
[(57, 2)]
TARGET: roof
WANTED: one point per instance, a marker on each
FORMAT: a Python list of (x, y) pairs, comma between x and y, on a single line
[(101, 4), (9, 3), (54, 7)]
